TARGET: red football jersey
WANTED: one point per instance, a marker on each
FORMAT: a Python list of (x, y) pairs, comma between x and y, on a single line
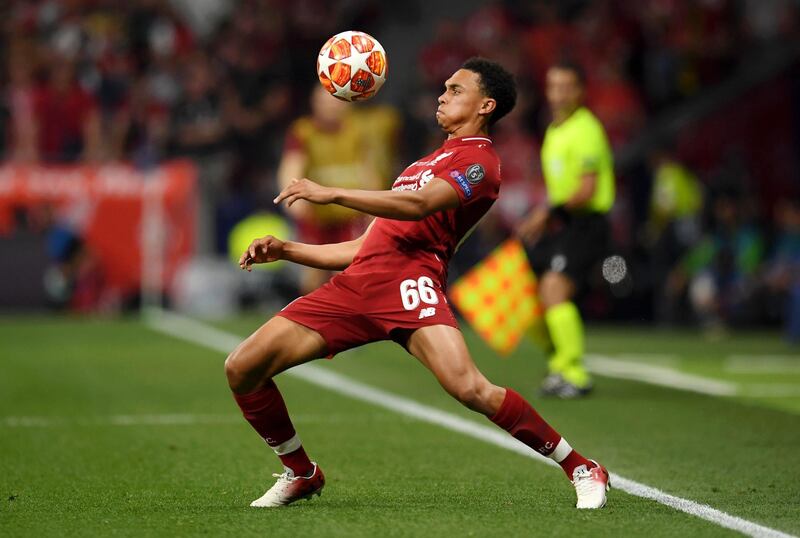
[(396, 282), (471, 166)]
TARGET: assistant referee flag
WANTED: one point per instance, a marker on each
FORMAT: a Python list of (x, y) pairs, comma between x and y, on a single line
[(498, 297)]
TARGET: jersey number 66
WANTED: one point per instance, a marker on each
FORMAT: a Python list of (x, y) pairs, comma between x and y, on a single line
[(413, 291)]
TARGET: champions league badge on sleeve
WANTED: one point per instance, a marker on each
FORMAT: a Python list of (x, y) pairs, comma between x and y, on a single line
[(462, 182), (475, 173)]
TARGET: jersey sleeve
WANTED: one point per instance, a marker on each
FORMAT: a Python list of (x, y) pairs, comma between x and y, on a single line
[(593, 149), (294, 140), (473, 174)]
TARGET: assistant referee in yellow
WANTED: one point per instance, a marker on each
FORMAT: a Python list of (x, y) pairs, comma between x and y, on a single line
[(571, 235)]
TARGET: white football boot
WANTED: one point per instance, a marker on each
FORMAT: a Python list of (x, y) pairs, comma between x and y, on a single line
[(591, 486), (288, 489)]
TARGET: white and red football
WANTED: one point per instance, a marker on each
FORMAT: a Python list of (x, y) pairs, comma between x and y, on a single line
[(352, 66)]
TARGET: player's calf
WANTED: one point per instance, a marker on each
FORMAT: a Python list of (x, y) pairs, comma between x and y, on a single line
[(279, 344), (521, 420)]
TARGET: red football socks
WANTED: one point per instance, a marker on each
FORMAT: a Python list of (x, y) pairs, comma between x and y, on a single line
[(266, 412), (518, 418)]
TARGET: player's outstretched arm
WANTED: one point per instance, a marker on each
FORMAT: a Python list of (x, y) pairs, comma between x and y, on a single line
[(399, 205), (331, 257)]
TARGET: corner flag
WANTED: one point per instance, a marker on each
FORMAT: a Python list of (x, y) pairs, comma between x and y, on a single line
[(498, 297)]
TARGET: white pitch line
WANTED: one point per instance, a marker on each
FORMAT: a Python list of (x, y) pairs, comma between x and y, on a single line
[(659, 359), (173, 419), (184, 328), (665, 376), (763, 364), (659, 375), (771, 390)]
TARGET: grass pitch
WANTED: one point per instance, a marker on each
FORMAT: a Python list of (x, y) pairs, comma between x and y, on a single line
[(109, 428)]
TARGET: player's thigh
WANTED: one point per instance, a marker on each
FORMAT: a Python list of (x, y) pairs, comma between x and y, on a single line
[(442, 350), (276, 346)]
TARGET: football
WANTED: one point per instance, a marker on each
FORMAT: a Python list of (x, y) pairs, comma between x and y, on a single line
[(352, 66)]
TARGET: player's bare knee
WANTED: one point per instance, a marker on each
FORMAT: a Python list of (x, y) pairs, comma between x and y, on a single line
[(491, 398), (467, 396), (244, 372), (234, 370), (467, 393), (478, 394)]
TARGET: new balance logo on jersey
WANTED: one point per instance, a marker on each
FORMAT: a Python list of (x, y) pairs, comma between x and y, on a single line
[(427, 312)]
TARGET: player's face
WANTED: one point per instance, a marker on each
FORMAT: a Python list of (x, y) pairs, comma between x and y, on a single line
[(461, 101), (564, 91)]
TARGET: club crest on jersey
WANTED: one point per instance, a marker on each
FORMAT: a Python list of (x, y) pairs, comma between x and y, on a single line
[(475, 173), (462, 182)]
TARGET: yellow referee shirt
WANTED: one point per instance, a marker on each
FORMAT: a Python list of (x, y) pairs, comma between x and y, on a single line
[(577, 147)]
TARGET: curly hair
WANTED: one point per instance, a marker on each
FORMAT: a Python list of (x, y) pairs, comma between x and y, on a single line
[(496, 83)]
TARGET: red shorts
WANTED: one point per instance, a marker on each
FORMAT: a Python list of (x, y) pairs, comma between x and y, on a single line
[(351, 310)]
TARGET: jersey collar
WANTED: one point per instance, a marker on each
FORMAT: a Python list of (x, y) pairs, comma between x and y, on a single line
[(466, 141), (576, 113)]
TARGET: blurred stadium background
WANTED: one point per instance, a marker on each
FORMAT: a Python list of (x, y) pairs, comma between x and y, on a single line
[(140, 147), (700, 100)]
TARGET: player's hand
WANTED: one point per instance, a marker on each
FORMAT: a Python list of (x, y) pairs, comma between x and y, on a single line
[(305, 189), (264, 250), (533, 226)]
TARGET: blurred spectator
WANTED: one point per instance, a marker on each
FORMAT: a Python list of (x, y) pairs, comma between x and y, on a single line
[(674, 221), (329, 146), (383, 124), (75, 280), (495, 35), (257, 94), (200, 131), (140, 128), (199, 127), (523, 185), (782, 269), (616, 103), (545, 41), (489, 27), (21, 104), (720, 273), (676, 201), (67, 116), (767, 20), (156, 34), (218, 82), (661, 64), (654, 51), (445, 54), (421, 134)]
